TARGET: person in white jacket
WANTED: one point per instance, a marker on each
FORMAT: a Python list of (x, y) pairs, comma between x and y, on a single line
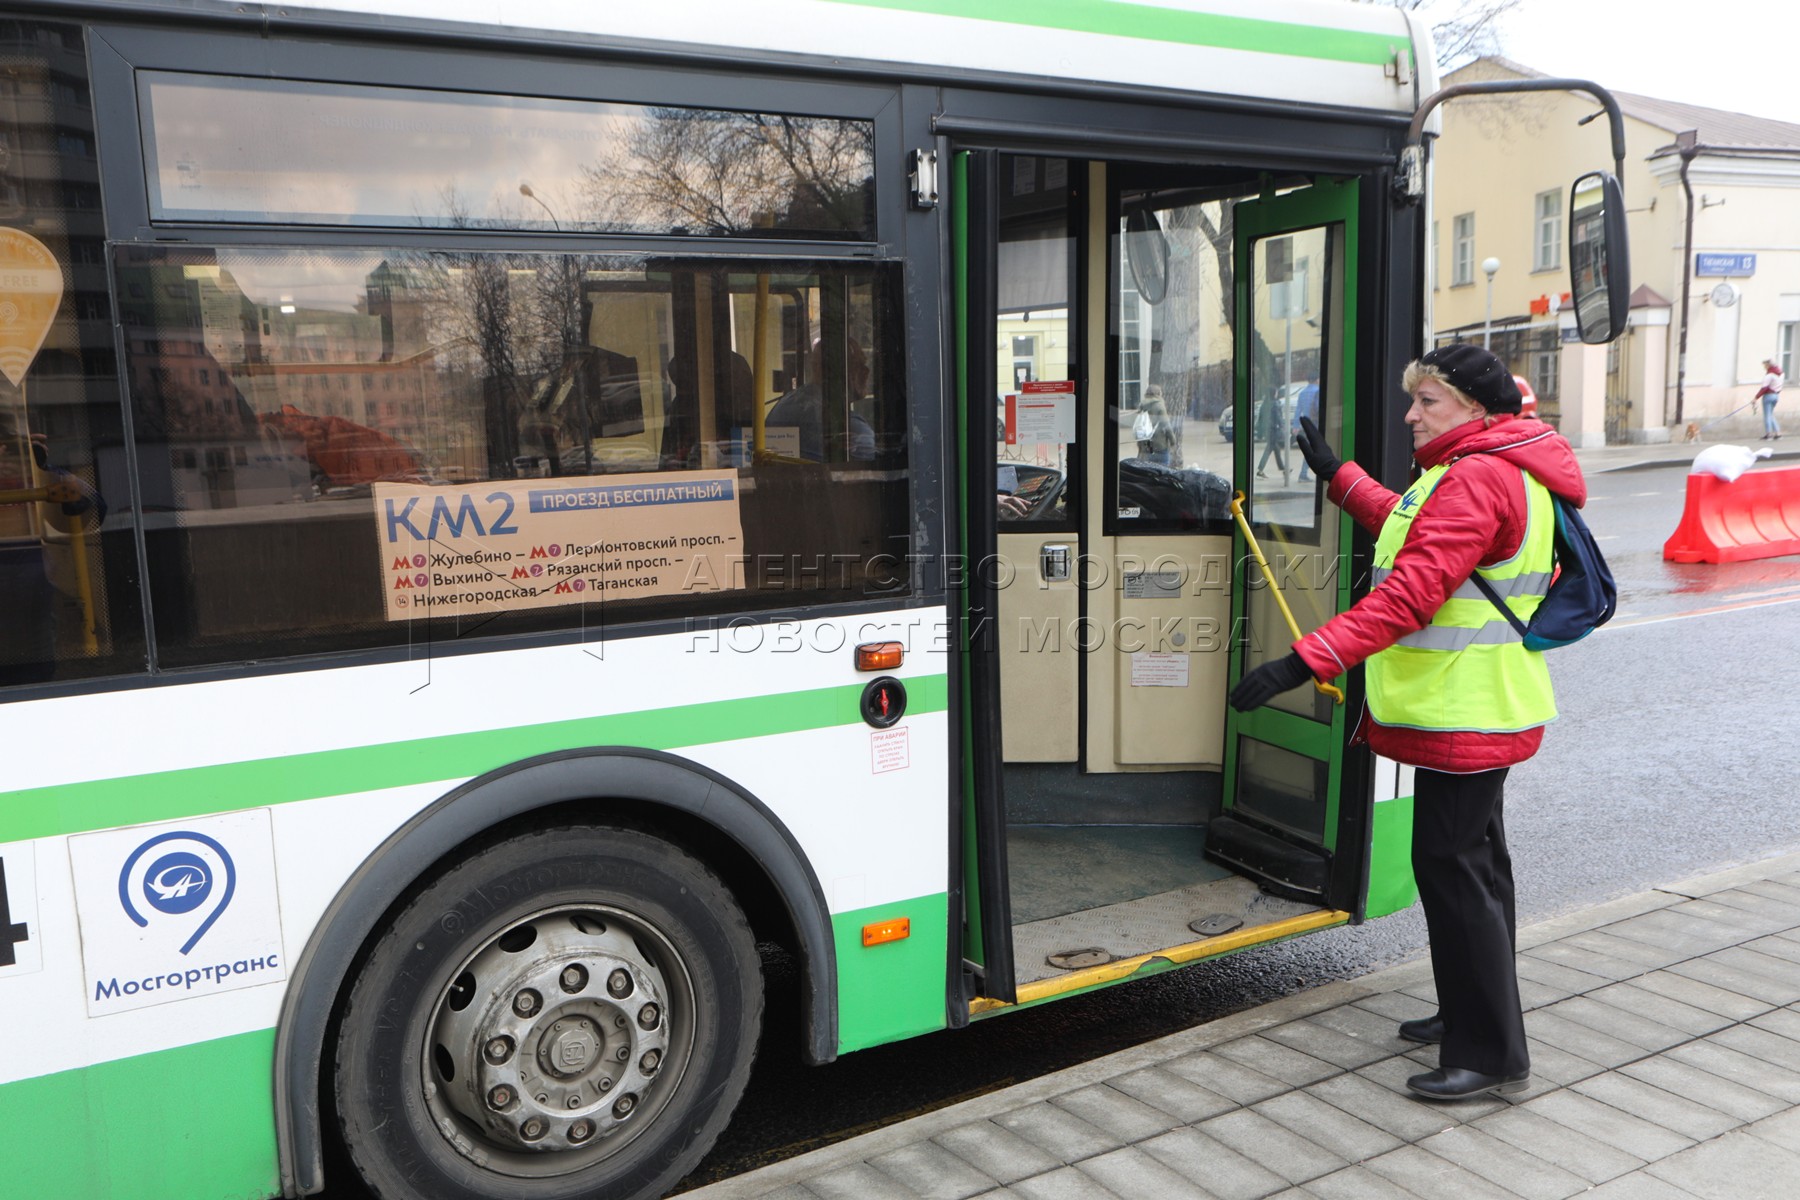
[(1770, 395)]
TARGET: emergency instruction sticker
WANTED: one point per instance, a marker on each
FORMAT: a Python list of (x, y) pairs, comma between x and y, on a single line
[(1150, 668), (178, 910), (508, 546), (890, 750)]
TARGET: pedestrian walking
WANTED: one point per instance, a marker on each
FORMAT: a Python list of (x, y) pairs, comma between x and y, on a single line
[(1451, 688), (1272, 428), (1155, 435), (1770, 395)]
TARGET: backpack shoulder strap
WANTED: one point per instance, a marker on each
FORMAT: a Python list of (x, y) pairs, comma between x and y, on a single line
[(1487, 589), (1475, 576)]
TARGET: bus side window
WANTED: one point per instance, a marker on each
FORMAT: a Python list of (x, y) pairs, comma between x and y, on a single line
[(68, 605)]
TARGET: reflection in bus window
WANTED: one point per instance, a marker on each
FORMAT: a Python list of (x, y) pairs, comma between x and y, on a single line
[(277, 392), (1174, 362), (222, 148), (68, 607)]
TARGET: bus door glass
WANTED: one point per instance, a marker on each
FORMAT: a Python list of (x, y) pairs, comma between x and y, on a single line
[(1295, 259)]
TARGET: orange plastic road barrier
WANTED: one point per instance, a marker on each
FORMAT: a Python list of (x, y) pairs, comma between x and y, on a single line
[(1757, 516)]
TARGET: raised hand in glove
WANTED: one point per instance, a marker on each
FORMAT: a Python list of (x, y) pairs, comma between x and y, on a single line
[(1269, 681), (1318, 453)]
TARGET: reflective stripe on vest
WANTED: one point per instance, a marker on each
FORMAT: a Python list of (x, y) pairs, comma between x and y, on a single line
[(1527, 584), (1468, 669)]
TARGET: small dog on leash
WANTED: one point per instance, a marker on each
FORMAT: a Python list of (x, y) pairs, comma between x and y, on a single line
[(1693, 432)]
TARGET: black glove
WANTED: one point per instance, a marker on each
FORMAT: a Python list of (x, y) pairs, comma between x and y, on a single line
[(1269, 681), (1318, 453)]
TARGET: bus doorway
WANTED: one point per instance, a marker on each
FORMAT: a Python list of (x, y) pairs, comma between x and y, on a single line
[(1143, 362)]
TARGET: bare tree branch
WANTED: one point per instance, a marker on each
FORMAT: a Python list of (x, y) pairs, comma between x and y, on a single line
[(1461, 29)]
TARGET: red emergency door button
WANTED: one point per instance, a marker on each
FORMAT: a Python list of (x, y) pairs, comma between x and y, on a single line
[(884, 701)]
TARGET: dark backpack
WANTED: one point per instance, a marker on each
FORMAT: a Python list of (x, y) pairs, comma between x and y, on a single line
[(1581, 596)]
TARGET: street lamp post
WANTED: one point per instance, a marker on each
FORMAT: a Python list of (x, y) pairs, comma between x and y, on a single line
[(525, 191), (1491, 266)]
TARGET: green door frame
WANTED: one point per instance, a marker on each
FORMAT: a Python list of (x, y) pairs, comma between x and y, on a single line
[(1326, 203), (974, 250)]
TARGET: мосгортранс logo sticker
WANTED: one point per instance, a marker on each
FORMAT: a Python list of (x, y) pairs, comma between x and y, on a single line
[(191, 869), (176, 911)]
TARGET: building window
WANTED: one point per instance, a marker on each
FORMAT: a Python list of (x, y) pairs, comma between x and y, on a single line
[(1462, 250), (1789, 343), (1546, 253), (1545, 377)]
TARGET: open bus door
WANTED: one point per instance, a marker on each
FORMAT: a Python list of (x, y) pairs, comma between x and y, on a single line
[(1100, 596), (1295, 338)]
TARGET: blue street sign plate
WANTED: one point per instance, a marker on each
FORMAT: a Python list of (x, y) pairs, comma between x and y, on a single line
[(1724, 264)]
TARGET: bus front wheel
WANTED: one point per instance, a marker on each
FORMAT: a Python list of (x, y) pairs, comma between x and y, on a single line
[(569, 1012)]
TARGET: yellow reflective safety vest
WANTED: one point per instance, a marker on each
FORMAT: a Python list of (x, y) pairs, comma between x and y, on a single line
[(1468, 670)]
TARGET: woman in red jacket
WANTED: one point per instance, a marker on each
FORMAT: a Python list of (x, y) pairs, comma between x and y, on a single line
[(1451, 688)]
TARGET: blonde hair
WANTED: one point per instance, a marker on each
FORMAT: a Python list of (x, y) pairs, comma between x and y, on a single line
[(1418, 371)]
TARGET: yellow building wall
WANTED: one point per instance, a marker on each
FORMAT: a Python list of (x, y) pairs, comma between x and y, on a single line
[(1497, 154)]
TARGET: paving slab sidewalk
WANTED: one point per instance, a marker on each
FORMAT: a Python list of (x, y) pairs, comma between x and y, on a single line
[(1665, 1042)]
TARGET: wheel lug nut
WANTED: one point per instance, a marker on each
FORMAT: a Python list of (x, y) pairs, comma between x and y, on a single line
[(574, 977), (623, 1105), (581, 1131), (527, 1002), (532, 1129), (618, 984), (649, 1062), (498, 1050), (648, 1015), (501, 1097)]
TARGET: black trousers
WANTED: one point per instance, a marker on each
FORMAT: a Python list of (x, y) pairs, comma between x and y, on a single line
[(1466, 886)]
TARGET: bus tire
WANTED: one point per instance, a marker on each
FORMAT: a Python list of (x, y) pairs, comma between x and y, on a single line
[(569, 1012)]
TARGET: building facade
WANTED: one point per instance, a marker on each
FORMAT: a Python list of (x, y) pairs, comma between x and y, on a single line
[(1713, 215)]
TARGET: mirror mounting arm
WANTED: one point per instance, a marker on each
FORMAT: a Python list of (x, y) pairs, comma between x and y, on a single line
[(1409, 186)]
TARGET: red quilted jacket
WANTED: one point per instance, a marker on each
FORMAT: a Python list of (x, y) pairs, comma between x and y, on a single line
[(1476, 516)]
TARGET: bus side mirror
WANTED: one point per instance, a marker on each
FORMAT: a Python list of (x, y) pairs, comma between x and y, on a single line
[(1599, 260)]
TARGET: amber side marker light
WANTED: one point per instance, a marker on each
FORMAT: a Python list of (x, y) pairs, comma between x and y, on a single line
[(887, 931), (879, 656)]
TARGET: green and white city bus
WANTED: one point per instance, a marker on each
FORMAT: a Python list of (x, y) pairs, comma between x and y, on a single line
[(503, 508)]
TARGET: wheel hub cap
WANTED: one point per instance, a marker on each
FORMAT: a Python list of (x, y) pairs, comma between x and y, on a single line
[(588, 1018)]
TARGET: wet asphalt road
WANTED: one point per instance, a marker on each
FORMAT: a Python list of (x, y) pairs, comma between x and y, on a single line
[(1676, 754)]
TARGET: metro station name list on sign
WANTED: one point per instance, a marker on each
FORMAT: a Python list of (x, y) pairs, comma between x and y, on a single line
[(501, 547)]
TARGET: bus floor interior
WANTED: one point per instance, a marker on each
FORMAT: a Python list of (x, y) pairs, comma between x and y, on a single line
[(1129, 877)]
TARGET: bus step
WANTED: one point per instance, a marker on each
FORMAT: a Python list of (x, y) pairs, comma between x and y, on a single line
[(1281, 868)]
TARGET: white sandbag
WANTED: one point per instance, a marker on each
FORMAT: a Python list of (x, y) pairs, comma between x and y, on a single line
[(1727, 462)]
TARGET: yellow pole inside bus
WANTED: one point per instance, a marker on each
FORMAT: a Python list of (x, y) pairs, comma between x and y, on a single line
[(1237, 510)]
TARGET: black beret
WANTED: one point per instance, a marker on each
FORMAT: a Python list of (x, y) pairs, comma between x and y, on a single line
[(1478, 375)]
